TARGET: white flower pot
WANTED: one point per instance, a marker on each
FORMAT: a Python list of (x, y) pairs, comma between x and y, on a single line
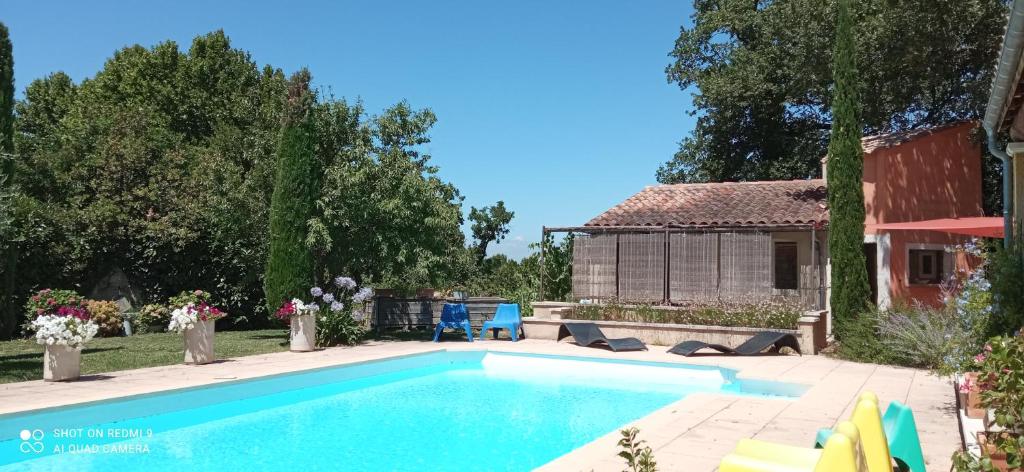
[(62, 363), (199, 343), (303, 333)]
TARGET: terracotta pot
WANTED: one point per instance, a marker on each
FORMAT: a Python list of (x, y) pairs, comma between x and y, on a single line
[(199, 343), (997, 457), (61, 363), (303, 333), (972, 406)]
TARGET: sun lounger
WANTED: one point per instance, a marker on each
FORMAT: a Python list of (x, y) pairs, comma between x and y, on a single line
[(588, 334), (453, 316), (900, 433), (505, 317), (752, 346)]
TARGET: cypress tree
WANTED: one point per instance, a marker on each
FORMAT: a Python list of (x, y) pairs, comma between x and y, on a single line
[(289, 270), (850, 290), (8, 252)]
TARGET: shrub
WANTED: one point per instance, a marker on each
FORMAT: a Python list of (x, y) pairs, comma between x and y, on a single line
[(639, 458), (861, 341), (107, 316), (919, 336), (764, 314), (1007, 277), (151, 318), (49, 301)]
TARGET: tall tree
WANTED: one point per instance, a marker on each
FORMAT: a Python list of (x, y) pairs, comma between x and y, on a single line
[(290, 266), (8, 252), (759, 71), (850, 290), (490, 224)]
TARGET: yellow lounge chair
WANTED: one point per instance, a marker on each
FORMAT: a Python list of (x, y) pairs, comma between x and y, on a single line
[(841, 453)]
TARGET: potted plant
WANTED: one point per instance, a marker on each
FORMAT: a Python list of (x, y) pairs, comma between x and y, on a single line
[(1000, 381), (302, 318), (62, 325), (195, 317)]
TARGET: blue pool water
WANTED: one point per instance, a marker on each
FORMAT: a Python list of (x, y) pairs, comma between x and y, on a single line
[(438, 411)]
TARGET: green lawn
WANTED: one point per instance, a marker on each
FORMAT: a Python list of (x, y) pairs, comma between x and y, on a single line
[(23, 359)]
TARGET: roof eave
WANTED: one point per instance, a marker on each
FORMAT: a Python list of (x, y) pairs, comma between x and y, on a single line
[(1002, 96)]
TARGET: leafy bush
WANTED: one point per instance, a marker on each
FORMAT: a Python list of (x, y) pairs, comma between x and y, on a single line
[(49, 301), (339, 309), (1006, 268), (639, 458), (764, 314), (106, 315), (152, 318)]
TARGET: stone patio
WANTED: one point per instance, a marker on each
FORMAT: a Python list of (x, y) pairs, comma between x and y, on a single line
[(691, 434)]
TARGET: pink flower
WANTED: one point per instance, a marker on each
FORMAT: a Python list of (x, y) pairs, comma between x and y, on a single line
[(198, 293), (979, 358), (988, 348), (966, 386)]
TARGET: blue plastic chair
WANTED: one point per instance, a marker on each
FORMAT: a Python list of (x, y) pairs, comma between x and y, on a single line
[(505, 317), (453, 316)]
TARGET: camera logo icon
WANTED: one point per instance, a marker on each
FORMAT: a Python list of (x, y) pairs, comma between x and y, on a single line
[(31, 441)]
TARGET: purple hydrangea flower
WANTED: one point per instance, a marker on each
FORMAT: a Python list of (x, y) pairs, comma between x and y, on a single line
[(363, 295), (357, 315), (328, 297), (345, 282), (337, 306), (316, 292)]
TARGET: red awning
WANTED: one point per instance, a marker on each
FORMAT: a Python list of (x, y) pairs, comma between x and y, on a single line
[(982, 226)]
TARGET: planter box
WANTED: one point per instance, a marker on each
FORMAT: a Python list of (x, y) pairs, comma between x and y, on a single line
[(303, 335), (972, 405), (199, 343), (997, 457), (61, 363), (664, 334)]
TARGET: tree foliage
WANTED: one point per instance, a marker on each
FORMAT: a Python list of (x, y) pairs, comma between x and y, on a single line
[(163, 165), (290, 269), (490, 224), (850, 290), (8, 254), (761, 76)]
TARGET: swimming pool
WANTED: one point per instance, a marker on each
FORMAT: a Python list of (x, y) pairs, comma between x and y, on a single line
[(444, 410)]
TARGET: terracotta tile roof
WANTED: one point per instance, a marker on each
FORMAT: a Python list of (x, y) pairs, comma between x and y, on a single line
[(888, 140), (782, 202)]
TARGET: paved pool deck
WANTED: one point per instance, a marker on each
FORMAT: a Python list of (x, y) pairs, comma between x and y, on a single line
[(692, 434)]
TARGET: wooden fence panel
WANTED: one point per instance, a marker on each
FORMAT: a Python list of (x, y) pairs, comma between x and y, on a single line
[(693, 267), (642, 267), (593, 266), (746, 266), (409, 313)]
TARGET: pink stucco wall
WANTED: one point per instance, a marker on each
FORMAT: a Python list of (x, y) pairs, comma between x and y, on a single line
[(933, 176)]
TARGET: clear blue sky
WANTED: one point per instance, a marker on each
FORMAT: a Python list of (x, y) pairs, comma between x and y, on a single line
[(561, 109)]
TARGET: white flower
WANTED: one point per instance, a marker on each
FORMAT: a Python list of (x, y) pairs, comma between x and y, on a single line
[(63, 331), (183, 318)]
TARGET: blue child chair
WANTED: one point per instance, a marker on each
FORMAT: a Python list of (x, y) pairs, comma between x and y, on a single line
[(505, 317), (453, 316)]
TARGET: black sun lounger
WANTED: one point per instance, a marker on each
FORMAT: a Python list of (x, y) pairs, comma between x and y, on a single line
[(587, 334), (750, 347)]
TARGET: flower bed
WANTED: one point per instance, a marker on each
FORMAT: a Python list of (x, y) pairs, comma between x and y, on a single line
[(766, 314)]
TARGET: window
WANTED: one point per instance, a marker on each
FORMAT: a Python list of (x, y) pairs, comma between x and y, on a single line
[(926, 266), (786, 268)]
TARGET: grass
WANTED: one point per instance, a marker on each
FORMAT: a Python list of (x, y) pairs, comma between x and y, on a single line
[(22, 359)]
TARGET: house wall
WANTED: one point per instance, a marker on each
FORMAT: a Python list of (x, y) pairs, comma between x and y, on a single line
[(931, 177)]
